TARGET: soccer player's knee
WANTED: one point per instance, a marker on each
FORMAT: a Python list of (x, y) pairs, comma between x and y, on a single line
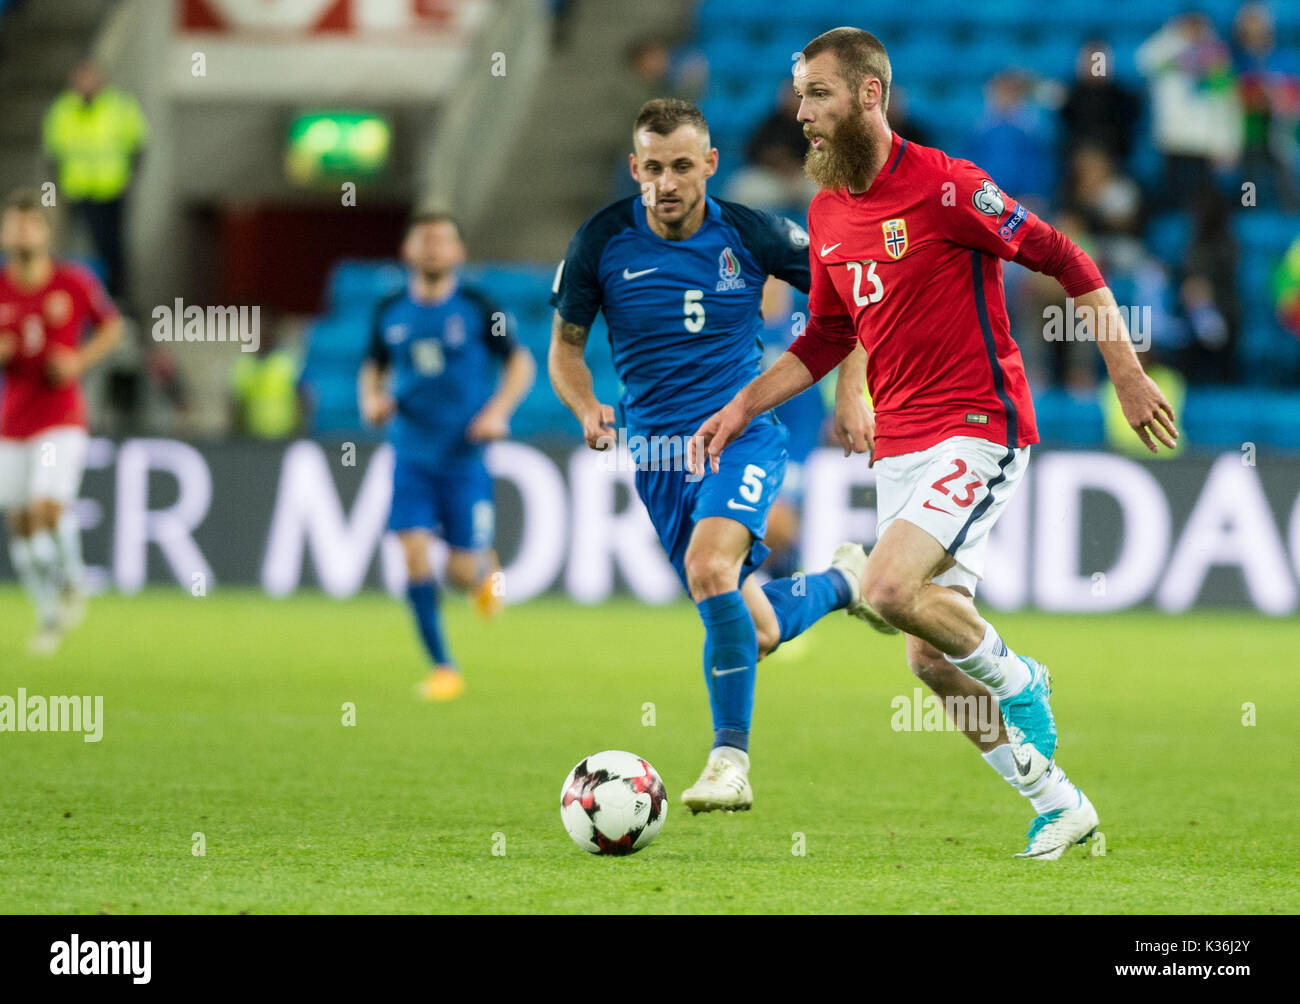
[(416, 552), (44, 515), (709, 573), (769, 638), (890, 597)]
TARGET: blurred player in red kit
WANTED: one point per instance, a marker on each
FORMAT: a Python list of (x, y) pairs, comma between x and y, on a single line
[(906, 251), (45, 306)]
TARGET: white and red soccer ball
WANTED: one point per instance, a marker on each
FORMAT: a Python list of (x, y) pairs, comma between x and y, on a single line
[(613, 803)]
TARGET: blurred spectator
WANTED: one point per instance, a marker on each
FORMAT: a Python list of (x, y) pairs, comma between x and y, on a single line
[(1012, 141), (1195, 113), (901, 122), (1098, 111), (1268, 83), (1108, 203), (95, 135), (264, 387), (1286, 289), (773, 176), (652, 72), (1207, 298)]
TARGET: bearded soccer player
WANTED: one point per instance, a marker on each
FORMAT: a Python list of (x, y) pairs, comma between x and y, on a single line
[(457, 375), (45, 307), (679, 277), (906, 254)]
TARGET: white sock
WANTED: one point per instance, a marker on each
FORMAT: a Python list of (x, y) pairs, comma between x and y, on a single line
[(732, 753), (68, 536), (35, 558), (1051, 791), (1002, 760), (995, 666)]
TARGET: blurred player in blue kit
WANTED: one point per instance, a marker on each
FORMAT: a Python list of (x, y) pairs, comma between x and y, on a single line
[(679, 277), (446, 372)]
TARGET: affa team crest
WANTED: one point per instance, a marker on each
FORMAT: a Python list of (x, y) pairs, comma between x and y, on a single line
[(895, 237), (729, 276)]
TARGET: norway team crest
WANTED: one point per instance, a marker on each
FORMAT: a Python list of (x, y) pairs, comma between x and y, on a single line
[(895, 237), (729, 276)]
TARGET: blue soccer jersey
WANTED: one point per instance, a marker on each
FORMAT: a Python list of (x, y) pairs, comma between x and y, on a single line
[(444, 360), (683, 316)]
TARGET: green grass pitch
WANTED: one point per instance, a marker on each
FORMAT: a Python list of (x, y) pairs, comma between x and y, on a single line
[(224, 716)]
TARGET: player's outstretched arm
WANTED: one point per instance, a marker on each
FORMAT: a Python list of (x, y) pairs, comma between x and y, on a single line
[(493, 419), (855, 423), (787, 377), (1145, 408), (571, 379)]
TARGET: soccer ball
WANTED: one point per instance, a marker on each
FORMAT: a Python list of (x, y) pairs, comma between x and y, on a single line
[(613, 803)]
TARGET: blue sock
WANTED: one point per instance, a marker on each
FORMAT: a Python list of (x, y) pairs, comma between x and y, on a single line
[(801, 601), (730, 666), (423, 597)]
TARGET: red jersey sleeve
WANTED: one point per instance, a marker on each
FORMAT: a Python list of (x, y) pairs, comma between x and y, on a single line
[(95, 301), (987, 219), (830, 335)]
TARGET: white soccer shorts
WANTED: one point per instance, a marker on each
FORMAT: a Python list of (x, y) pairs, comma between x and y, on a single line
[(48, 466), (954, 491)]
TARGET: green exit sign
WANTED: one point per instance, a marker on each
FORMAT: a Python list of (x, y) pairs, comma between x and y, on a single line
[(333, 145)]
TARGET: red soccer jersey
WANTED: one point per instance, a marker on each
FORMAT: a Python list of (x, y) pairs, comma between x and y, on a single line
[(913, 267), (44, 321)]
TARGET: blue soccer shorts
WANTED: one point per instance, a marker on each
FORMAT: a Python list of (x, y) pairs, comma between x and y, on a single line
[(748, 481), (454, 502)]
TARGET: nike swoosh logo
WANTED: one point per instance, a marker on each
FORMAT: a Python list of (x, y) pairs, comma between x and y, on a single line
[(927, 505), (728, 672), (828, 248), (733, 504), (644, 271), (1022, 768)]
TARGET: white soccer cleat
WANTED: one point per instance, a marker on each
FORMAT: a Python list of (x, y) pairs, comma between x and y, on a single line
[(723, 785), (72, 607), (1055, 832), (851, 560), (45, 641)]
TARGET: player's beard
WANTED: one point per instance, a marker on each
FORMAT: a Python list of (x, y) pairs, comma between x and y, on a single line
[(846, 154)]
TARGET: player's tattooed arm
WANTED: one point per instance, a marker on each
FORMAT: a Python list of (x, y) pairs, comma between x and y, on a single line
[(571, 379), (573, 334)]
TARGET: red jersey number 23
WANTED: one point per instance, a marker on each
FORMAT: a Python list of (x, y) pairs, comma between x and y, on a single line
[(877, 288)]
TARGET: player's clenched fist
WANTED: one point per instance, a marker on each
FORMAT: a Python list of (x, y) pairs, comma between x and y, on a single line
[(598, 427), (489, 424), (63, 367), (377, 409)]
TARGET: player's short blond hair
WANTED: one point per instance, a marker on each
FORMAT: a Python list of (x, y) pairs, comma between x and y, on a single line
[(860, 55), (664, 116)]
